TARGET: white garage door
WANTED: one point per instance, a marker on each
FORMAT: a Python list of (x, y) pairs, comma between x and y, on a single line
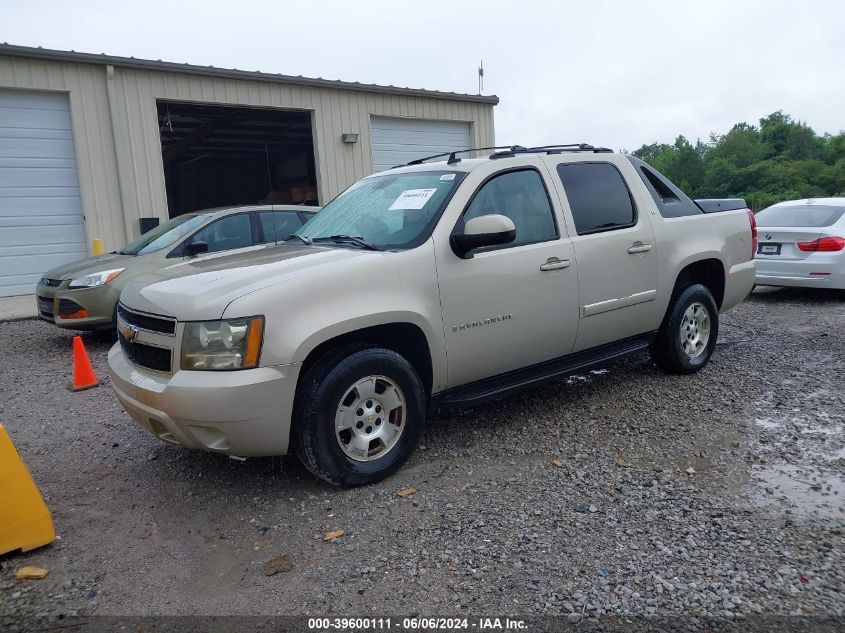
[(41, 223), (397, 141)]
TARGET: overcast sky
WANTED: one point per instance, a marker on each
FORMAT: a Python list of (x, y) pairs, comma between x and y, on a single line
[(613, 73)]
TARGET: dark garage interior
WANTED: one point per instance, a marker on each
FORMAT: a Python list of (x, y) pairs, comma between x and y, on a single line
[(221, 155)]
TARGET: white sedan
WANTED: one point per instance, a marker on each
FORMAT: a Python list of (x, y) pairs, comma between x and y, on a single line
[(802, 243)]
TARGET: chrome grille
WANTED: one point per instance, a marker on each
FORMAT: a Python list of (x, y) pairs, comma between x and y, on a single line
[(51, 283), (159, 324), (149, 356)]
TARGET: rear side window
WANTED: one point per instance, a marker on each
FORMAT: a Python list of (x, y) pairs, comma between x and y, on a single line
[(799, 215), (278, 226), (598, 197), (670, 201)]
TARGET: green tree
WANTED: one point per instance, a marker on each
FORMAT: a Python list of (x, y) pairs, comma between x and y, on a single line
[(786, 137), (741, 147), (780, 159), (721, 179)]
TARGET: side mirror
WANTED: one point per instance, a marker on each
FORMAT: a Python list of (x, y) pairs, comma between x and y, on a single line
[(485, 230), (195, 248)]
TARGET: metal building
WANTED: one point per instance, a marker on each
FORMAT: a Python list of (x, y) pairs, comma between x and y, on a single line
[(90, 144)]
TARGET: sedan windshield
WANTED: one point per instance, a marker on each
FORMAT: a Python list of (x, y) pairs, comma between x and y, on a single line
[(164, 235), (393, 211), (809, 215)]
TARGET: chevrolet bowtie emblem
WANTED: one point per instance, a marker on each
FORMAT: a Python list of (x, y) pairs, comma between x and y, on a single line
[(130, 332)]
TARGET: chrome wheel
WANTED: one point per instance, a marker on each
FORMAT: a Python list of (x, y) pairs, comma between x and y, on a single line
[(695, 330), (370, 418)]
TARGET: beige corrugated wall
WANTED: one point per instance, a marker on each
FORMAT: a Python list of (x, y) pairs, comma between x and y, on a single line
[(92, 136), (115, 125)]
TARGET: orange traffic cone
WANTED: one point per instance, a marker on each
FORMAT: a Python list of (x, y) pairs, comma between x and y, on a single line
[(83, 373)]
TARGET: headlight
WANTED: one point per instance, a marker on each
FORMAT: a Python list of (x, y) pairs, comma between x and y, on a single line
[(216, 345), (95, 279)]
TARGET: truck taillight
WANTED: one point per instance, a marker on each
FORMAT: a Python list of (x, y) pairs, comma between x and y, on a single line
[(753, 221), (823, 245)]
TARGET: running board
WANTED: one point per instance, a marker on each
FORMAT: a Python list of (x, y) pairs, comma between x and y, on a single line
[(477, 392)]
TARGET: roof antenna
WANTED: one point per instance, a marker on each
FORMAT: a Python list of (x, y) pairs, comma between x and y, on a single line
[(481, 77)]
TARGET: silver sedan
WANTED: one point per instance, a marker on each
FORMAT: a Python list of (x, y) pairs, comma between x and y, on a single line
[(802, 243)]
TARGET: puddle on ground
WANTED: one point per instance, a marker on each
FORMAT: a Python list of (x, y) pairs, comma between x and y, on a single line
[(768, 423), (580, 378), (806, 491), (833, 431), (804, 449)]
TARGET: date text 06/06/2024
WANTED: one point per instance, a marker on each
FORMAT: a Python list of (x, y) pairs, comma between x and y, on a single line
[(415, 623)]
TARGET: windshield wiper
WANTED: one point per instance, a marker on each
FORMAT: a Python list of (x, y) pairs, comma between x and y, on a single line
[(305, 240), (348, 239)]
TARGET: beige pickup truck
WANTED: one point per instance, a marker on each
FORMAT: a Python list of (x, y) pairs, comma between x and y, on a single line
[(435, 284)]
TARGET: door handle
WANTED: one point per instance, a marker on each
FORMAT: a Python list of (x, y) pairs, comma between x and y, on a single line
[(553, 263), (639, 247)]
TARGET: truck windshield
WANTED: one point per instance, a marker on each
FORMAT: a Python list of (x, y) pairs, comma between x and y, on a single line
[(393, 211), (164, 235)]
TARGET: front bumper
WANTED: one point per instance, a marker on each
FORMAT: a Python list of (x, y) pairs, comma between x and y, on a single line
[(245, 413), (62, 306)]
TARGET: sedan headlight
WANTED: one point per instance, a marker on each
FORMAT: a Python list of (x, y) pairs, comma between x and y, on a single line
[(221, 345), (95, 279)]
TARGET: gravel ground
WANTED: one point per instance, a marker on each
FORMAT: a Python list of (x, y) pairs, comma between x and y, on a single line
[(623, 492)]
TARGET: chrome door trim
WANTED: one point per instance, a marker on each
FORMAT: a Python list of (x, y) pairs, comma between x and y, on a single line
[(615, 304)]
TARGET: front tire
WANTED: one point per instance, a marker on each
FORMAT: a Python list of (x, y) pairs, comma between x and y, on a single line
[(359, 414), (687, 337)]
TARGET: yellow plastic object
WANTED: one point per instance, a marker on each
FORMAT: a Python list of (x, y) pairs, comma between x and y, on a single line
[(97, 247), (25, 521)]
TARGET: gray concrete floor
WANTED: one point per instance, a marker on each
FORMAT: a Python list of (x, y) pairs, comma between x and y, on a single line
[(20, 307)]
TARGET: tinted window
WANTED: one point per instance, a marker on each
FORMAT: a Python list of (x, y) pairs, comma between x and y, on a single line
[(233, 231), (799, 215), (598, 197), (670, 201), (522, 197), (278, 225)]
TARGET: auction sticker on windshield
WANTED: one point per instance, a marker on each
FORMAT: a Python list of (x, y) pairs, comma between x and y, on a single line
[(412, 199)]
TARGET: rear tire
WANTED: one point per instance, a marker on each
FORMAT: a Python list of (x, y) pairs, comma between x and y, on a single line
[(687, 337), (359, 414)]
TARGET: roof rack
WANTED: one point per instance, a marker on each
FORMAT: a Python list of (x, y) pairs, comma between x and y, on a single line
[(552, 149), (453, 155), (505, 151)]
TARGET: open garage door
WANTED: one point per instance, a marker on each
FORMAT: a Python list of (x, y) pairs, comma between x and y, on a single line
[(41, 222), (397, 141), (224, 155)]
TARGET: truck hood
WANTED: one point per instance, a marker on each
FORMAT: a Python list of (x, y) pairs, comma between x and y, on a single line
[(201, 289), (88, 265)]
